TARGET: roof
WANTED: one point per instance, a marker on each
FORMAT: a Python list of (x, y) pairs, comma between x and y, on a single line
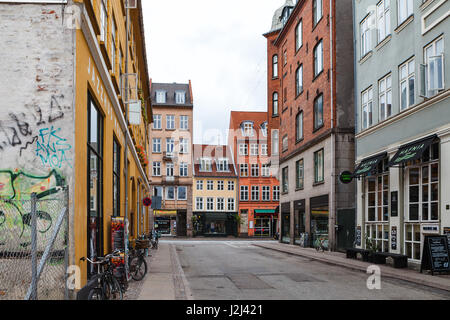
[(276, 20), (171, 89), (214, 152), (237, 118)]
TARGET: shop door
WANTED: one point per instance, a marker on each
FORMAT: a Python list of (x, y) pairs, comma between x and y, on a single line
[(346, 229), (286, 228), (262, 227), (181, 224)]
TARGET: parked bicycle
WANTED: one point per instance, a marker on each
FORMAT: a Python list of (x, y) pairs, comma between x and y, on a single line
[(104, 285), (136, 261), (155, 240), (321, 244)]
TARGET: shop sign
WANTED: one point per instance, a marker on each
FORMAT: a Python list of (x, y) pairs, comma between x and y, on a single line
[(165, 212), (147, 202), (435, 256), (430, 228), (394, 238), (346, 177)]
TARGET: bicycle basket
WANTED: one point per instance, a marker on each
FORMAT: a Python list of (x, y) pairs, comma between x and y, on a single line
[(142, 244)]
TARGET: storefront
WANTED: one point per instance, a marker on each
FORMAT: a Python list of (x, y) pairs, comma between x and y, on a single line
[(166, 222), (265, 222), (285, 222), (300, 236), (217, 224), (319, 219)]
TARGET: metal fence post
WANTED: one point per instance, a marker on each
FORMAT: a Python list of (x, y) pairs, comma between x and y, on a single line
[(33, 247)]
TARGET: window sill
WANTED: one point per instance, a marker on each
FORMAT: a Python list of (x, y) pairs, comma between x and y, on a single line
[(301, 92), (299, 141), (284, 110), (170, 129), (383, 42), (275, 115), (275, 78), (404, 24), (424, 5), (317, 76), (299, 189), (316, 184), (315, 25), (160, 129), (365, 57), (317, 129)]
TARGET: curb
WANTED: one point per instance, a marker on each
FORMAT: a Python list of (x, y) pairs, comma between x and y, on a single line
[(386, 273)]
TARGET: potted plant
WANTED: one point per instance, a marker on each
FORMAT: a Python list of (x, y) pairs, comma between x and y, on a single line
[(372, 247)]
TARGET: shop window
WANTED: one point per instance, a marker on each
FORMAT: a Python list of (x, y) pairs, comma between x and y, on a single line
[(377, 197), (378, 236), (412, 241)]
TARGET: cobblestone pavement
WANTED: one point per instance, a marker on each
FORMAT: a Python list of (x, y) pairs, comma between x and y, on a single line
[(135, 287)]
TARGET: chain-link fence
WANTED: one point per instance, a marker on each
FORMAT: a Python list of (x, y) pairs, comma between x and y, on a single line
[(33, 246)]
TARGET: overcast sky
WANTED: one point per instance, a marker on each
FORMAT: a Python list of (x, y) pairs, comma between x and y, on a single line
[(219, 46)]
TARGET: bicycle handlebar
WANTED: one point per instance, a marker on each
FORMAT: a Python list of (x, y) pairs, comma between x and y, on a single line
[(102, 260)]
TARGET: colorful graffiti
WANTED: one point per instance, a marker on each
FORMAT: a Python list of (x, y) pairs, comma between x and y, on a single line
[(51, 148), (16, 188)]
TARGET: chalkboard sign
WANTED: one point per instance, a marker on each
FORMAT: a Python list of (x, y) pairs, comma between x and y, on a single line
[(394, 238), (447, 233), (435, 255), (394, 204), (358, 236)]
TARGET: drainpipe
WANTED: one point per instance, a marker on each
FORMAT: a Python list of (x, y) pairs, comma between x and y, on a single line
[(333, 168)]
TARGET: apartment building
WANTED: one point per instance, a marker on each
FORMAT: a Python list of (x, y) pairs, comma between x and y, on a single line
[(259, 190), (171, 154), (403, 123), (215, 189), (63, 116), (310, 107)]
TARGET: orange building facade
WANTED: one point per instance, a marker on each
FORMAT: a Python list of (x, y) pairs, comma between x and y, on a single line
[(259, 190)]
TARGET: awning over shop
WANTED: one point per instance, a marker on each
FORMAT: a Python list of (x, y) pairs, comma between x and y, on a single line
[(412, 151), (266, 211), (367, 166)]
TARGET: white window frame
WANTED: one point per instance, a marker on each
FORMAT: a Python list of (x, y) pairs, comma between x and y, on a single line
[(222, 165), (317, 11), (210, 185), (265, 170), (180, 97), (275, 142), (264, 149), (113, 45), (231, 185), (383, 19), (276, 193), (405, 9), (199, 203), (200, 185), (184, 169), (275, 66), (156, 169), (178, 193), (254, 149), (243, 167), (170, 145), (167, 193), (404, 80), (231, 204), (244, 193), (157, 122), (318, 58), (385, 97), (247, 129), (265, 193), (220, 185), (103, 21), (299, 35), (210, 204), (243, 149), (160, 96), (184, 123), (367, 108), (255, 193), (205, 165), (299, 80), (170, 169), (184, 146), (156, 145), (170, 122), (435, 61), (220, 204), (254, 170)]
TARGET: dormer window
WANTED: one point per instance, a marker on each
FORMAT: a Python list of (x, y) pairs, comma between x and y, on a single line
[(222, 165), (160, 96), (285, 16), (205, 165), (180, 97), (247, 128), (264, 128)]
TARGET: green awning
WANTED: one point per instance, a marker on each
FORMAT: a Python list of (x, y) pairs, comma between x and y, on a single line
[(412, 151), (272, 211), (369, 165)]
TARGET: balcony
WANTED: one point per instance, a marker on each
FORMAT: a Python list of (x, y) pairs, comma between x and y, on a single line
[(171, 180), (169, 156)]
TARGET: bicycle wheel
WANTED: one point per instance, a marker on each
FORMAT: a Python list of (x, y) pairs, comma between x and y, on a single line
[(96, 294), (138, 268), (115, 289)]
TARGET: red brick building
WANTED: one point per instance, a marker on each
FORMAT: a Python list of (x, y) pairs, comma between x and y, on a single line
[(258, 189), (311, 116)]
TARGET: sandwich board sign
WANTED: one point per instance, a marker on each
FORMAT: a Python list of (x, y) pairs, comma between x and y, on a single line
[(435, 255)]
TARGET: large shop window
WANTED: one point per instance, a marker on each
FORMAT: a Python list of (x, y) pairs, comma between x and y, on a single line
[(378, 235), (95, 189)]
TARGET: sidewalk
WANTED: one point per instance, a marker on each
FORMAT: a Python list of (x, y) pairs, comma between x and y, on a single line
[(336, 258), (165, 279)]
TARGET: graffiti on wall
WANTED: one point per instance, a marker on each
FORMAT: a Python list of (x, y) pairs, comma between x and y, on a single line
[(51, 148), (16, 188)]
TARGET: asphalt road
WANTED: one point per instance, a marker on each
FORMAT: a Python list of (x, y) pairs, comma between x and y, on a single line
[(237, 270)]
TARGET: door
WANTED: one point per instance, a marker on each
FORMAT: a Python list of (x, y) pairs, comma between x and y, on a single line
[(346, 229), (181, 224)]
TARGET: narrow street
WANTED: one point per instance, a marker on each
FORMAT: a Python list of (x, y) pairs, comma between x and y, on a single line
[(238, 270)]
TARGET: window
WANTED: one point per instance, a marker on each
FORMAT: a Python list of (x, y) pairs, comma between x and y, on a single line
[(367, 108), (318, 167), (317, 11), (220, 204), (156, 169), (433, 74), (231, 206), (385, 98), (255, 193), (366, 36), (299, 80), (275, 66), (299, 126), (170, 145), (318, 58), (169, 169), (205, 165), (199, 184), (230, 185), (318, 112), (170, 122), (264, 149), (220, 185), (210, 204), (160, 97), (405, 9), (182, 193), (255, 170), (299, 35), (222, 165), (378, 234), (244, 170), (276, 193), (183, 169), (210, 185), (243, 149), (184, 145), (170, 193), (244, 193), (180, 97), (377, 196), (254, 148), (184, 122), (275, 142), (247, 129), (157, 122), (275, 104), (299, 174), (285, 179), (103, 21), (412, 241), (116, 178), (158, 192), (383, 19), (199, 203), (284, 58), (266, 193), (113, 46), (156, 145), (407, 84), (285, 143), (265, 170)]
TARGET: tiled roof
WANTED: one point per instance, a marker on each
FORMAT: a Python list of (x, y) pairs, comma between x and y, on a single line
[(214, 152), (171, 89)]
